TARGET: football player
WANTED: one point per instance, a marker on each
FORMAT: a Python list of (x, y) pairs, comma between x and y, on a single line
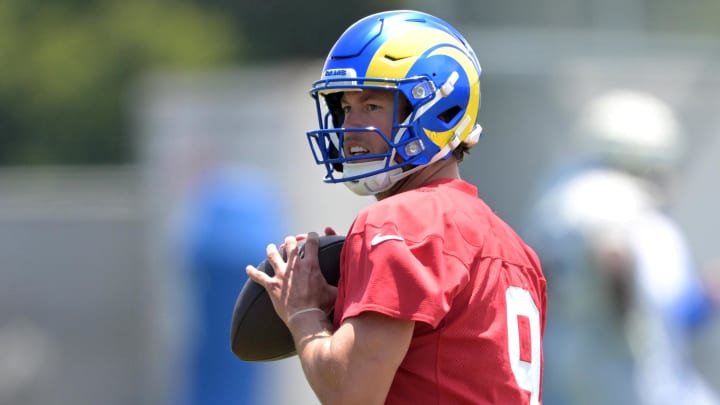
[(439, 301), (623, 291)]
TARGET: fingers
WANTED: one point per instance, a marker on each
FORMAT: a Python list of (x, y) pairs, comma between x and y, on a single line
[(311, 246), (258, 276), (296, 282), (273, 254), (298, 237), (275, 259), (328, 231), (281, 264)]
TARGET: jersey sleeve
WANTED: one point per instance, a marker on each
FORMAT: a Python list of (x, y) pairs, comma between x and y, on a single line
[(405, 279)]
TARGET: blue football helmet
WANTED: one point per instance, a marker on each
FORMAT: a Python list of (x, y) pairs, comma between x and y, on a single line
[(424, 60)]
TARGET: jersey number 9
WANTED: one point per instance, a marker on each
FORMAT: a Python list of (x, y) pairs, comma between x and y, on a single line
[(523, 320)]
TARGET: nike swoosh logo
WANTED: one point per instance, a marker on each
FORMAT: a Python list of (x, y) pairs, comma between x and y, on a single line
[(378, 239)]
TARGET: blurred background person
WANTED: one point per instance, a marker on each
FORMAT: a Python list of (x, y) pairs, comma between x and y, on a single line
[(624, 293), (230, 216)]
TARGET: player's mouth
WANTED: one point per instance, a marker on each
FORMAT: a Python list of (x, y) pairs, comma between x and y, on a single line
[(358, 151)]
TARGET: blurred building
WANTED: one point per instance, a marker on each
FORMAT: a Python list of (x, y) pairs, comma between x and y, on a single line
[(73, 299)]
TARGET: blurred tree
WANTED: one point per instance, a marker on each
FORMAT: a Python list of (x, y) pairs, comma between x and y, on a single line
[(65, 67), (282, 29)]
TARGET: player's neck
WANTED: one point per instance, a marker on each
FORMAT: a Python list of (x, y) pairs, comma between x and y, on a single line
[(443, 169)]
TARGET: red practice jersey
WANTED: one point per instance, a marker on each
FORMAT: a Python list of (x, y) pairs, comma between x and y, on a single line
[(439, 256)]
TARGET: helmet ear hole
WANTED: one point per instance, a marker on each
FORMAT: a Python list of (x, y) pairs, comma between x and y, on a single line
[(449, 115)]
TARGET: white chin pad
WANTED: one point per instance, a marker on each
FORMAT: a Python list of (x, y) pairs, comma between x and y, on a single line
[(370, 185)]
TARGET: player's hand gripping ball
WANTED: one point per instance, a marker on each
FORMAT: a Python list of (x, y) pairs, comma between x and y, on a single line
[(257, 333)]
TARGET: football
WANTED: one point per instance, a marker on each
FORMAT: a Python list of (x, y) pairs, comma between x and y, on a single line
[(257, 333)]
